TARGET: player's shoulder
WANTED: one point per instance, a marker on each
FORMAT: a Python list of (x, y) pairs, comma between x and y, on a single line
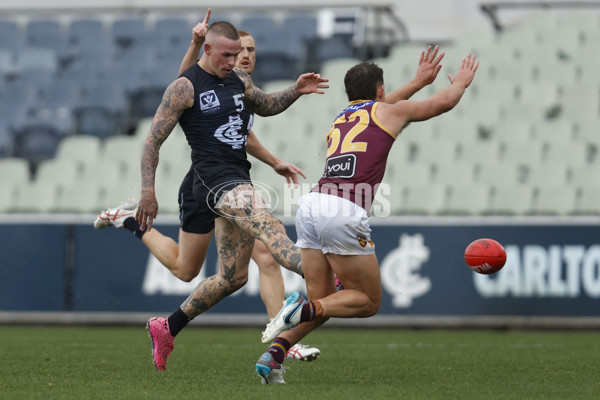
[(242, 76)]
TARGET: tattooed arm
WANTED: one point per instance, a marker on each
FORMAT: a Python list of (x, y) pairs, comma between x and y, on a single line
[(271, 104), (178, 97)]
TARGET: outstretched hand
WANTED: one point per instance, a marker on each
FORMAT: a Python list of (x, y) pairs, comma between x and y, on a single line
[(466, 72), (311, 83), (199, 31), (429, 66), (290, 171)]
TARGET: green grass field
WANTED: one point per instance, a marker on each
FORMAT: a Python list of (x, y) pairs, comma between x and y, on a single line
[(211, 363)]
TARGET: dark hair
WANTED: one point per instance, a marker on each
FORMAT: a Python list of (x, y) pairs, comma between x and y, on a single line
[(362, 81), (224, 28)]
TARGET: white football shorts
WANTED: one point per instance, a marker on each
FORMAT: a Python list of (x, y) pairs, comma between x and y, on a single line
[(333, 224)]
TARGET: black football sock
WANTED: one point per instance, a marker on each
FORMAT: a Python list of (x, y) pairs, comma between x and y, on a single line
[(279, 349), (132, 224), (177, 321)]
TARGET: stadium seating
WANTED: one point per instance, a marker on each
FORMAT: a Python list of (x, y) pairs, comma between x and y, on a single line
[(423, 199), (467, 199), (63, 172), (554, 200), (511, 200), (11, 37), (14, 170), (588, 201), (36, 142), (6, 64), (81, 148), (127, 31), (7, 196), (35, 197), (80, 197), (529, 120)]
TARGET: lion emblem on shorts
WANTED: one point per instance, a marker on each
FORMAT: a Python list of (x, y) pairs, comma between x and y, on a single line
[(363, 241)]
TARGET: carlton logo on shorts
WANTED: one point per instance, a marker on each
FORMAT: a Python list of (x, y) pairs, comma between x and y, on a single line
[(341, 166), (209, 102)]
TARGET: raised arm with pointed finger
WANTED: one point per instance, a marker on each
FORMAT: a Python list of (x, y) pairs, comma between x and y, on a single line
[(193, 52)]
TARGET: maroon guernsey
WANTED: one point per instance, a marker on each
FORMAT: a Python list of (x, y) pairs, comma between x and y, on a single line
[(357, 149)]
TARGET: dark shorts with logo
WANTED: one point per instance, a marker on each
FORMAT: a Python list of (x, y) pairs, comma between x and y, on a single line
[(198, 196)]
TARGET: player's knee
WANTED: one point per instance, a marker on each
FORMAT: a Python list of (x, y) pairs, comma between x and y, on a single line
[(186, 276), (372, 308), (266, 263), (233, 284)]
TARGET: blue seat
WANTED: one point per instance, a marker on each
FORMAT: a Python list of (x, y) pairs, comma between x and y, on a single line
[(97, 121), (46, 33), (103, 95), (62, 93), (83, 74), (273, 66), (11, 37), (138, 55), (102, 112), (5, 138), (13, 113), (171, 31), (19, 93), (129, 75), (61, 119), (127, 31), (36, 58), (7, 63), (299, 31), (36, 142), (338, 46), (86, 32), (261, 28)]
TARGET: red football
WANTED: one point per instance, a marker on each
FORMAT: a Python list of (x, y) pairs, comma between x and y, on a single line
[(485, 256)]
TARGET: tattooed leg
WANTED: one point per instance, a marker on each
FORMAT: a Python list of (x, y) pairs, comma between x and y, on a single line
[(247, 210), (234, 248)]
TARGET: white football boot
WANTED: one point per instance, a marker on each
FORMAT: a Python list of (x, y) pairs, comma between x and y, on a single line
[(117, 215), (287, 318), (301, 352)]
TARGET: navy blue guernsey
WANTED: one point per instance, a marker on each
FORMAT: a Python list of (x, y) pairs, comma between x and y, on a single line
[(216, 126)]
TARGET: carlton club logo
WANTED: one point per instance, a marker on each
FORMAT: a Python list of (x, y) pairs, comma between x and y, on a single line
[(230, 133), (400, 271)]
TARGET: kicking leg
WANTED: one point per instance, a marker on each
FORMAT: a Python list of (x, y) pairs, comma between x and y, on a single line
[(185, 259), (249, 213)]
